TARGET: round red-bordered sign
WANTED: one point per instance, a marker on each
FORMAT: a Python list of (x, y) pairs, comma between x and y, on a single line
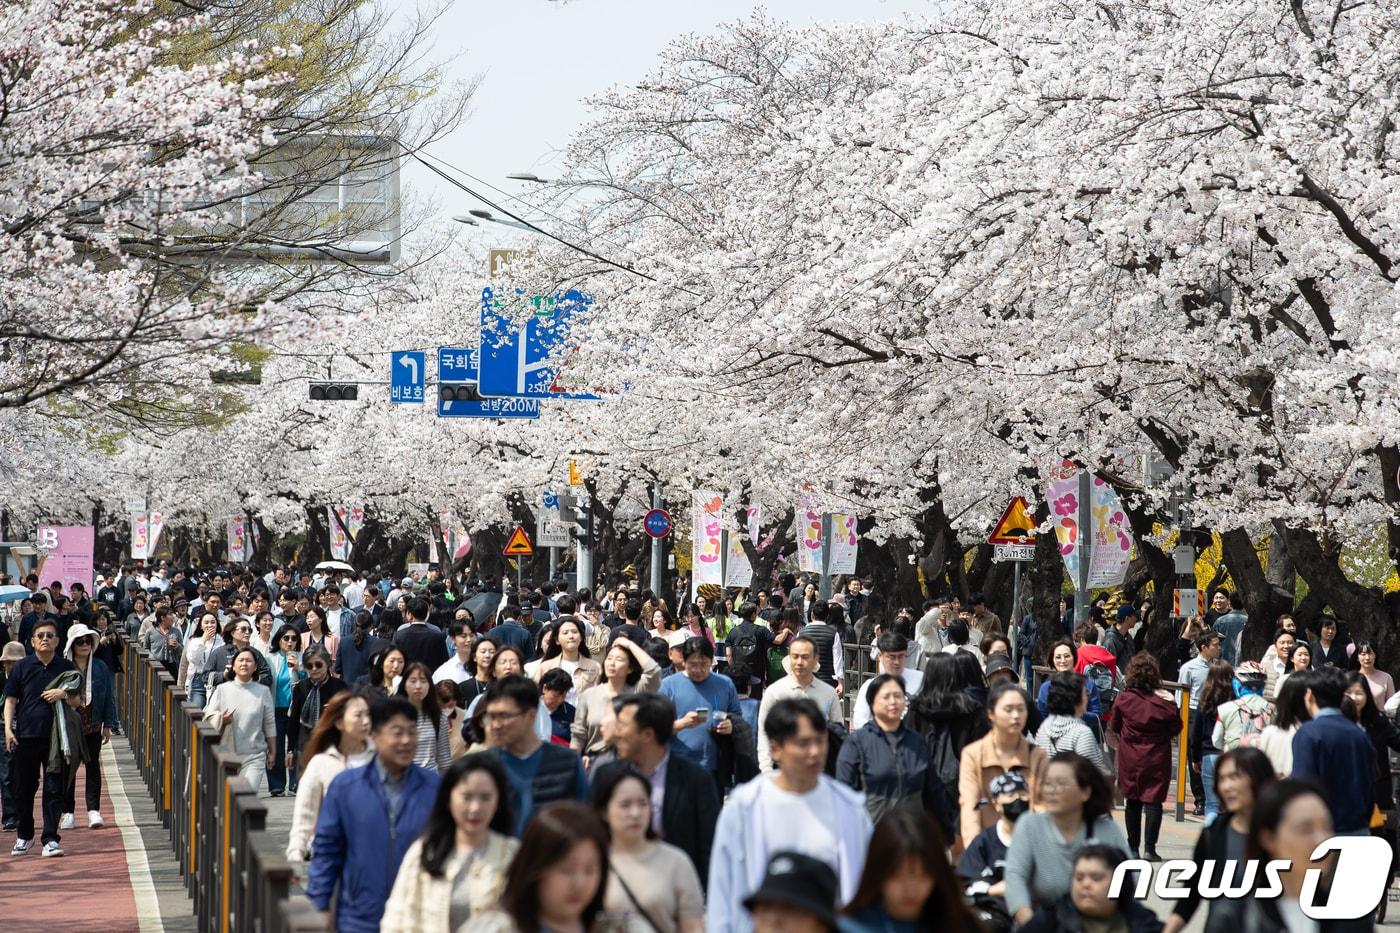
[(657, 523)]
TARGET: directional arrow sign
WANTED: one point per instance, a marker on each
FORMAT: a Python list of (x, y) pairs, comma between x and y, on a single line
[(406, 377)]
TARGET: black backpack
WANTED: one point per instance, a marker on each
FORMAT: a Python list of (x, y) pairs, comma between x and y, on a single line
[(748, 660)]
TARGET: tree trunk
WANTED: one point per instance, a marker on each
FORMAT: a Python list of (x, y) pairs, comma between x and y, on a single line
[(1262, 600)]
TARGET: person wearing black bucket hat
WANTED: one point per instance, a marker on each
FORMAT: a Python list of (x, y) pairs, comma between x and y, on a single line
[(798, 895)]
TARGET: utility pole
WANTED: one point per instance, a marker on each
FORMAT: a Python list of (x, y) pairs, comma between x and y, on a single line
[(584, 565), (1086, 547), (658, 549), (824, 589)]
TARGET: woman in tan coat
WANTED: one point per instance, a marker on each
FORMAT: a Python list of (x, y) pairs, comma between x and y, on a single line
[(567, 651), (457, 868), (626, 667), (1005, 748)]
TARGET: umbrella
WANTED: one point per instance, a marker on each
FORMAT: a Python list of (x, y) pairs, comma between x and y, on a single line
[(10, 594), (333, 565), (482, 605)]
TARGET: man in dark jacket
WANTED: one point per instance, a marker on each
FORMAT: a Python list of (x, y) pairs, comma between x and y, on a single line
[(420, 641), (685, 807), (538, 772), (1330, 750), (369, 818), (509, 631)]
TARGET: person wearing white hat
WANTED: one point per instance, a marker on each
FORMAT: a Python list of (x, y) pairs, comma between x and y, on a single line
[(98, 715)]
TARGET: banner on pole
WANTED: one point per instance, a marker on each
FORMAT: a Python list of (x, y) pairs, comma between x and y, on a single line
[(338, 518), (238, 539), (809, 536), (844, 544), (1112, 541), (706, 539), (68, 557), (140, 536), (737, 569), (154, 528)]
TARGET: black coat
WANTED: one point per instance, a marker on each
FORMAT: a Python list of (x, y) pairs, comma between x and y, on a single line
[(296, 735), (421, 643)]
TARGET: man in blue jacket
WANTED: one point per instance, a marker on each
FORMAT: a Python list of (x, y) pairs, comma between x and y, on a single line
[(369, 818), (1335, 752)]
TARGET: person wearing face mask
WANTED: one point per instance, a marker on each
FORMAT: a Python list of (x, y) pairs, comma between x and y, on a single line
[(983, 863)]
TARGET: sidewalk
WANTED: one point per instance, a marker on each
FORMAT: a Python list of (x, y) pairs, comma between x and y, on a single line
[(119, 879)]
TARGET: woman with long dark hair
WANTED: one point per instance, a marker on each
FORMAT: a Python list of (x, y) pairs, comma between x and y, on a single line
[(1240, 775), (457, 868), (650, 883), (568, 653), (949, 720), (1290, 712), (1004, 748), (1381, 684), (483, 656), (1289, 821), (555, 882), (386, 671), (907, 884), (1218, 688), (339, 741), (285, 663), (434, 744), (1077, 808), (626, 668), (1359, 703)]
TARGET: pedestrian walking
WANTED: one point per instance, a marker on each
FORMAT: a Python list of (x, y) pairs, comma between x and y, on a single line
[(651, 885), (368, 819), (243, 712), (32, 696), (1145, 724), (907, 883), (97, 714), (339, 741), (457, 868), (1077, 809), (556, 880), (797, 807)]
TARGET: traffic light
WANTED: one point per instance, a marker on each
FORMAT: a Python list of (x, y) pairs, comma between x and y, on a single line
[(334, 391), (458, 392)]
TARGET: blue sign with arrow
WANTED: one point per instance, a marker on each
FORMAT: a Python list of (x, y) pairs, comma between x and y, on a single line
[(519, 357), (458, 396), (407, 374)]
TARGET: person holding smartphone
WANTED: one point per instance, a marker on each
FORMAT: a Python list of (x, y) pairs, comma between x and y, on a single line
[(703, 701)]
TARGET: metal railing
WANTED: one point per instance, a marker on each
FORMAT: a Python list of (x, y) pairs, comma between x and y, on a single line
[(235, 870)]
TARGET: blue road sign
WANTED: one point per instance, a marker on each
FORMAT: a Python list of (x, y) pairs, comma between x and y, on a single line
[(459, 365), (407, 374), (516, 355), (490, 408)]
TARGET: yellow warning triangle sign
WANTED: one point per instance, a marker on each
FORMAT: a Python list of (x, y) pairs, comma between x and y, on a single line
[(519, 544), (1015, 526)]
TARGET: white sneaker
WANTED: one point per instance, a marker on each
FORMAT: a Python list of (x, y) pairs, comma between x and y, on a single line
[(22, 846), (95, 820), (66, 822), (51, 849)]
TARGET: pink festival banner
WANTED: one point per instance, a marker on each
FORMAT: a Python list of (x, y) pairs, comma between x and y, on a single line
[(69, 555)]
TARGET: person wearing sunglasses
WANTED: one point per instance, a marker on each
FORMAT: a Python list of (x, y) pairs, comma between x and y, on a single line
[(310, 696), (28, 722), (238, 633)]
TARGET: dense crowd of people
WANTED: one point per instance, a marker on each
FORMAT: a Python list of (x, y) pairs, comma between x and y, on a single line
[(462, 758)]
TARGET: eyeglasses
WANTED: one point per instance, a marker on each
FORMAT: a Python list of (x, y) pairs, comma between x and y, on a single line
[(315, 666), (244, 630), (503, 717), (45, 636)]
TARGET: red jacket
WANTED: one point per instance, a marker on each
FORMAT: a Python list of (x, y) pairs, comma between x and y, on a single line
[(1094, 654)]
